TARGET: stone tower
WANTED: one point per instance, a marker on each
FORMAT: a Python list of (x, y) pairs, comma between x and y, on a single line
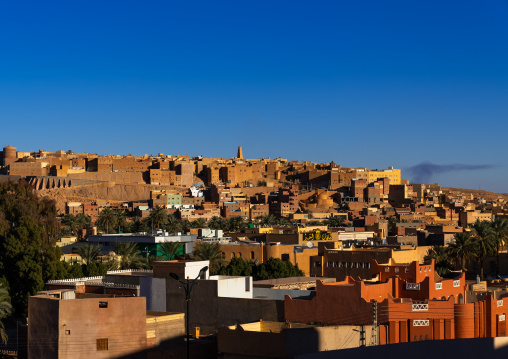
[(240, 153)]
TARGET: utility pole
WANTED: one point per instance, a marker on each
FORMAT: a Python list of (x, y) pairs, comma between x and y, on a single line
[(362, 336), (374, 335)]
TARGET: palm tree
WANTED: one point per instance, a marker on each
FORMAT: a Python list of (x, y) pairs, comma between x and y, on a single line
[(5, 311), (89, 253), (442, 262), (173, 225), (500, 229), (158, 216), (199, 223), (236, 222), (170, 249), (211, 252), (283, 221), (335, 221), (107, 219), (462, 249), (121, 220), (138, 225), (130, 255), (268, 220), (216, 223), (483, 236)]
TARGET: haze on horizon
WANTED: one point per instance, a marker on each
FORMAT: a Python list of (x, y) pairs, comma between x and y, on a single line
[(363, 84)]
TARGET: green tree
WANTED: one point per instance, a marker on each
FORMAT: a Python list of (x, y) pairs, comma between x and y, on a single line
[(130, 255), (209, 251), (442, 263), (28, 232), (462, 249), (500, 233), (107, 219), (484, 239), (5, 311), (94, 269), (268, 220), (218, 223), (158, 217), (199, 223), (173, 224), (170, 249), (236, 223), (139, 225), (283, 221), (335, 221), (76, 223), (239, 267), (89, 253), (121, 220)]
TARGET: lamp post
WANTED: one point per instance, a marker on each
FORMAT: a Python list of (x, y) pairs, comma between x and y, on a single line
[(187, 285)]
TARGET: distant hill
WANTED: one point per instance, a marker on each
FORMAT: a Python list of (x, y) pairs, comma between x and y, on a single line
[(479, 193)]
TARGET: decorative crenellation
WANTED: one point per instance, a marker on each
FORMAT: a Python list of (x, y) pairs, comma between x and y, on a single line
[(421, 323), (129, 270), (419, 307)]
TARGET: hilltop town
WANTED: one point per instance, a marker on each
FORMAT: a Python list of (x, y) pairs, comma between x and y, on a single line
[(347, 257)]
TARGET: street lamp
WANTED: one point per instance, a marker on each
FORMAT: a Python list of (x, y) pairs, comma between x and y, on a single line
[(187, 286)]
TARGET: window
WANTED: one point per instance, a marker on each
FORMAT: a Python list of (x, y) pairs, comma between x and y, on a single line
[(329, 264), (102, 344), (232, 254), (335, 264), (396, 270), (103, 304), (251, 255), (406, 270)]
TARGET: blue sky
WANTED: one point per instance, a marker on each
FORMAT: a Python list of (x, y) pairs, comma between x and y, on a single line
[(363, 83)]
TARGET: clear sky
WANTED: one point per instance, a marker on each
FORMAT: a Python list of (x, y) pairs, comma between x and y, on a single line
[(363, 83)]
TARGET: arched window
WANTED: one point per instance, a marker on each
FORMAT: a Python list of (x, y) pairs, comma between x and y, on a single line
[(232, 254)]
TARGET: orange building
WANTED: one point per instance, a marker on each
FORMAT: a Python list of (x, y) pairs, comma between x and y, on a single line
[(410, 301)]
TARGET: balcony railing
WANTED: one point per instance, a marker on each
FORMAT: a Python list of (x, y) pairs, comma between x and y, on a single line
[(412, 286)]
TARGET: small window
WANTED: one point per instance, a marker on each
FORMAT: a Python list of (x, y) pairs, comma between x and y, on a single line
[(406, 270), (102, 344), (251, 255), (67, 332), (396, 270), (103, 304)]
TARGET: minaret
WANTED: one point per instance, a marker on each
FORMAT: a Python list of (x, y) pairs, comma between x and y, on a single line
[(240, 153)]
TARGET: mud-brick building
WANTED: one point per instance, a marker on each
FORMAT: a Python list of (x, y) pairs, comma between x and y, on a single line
[(67, 324)]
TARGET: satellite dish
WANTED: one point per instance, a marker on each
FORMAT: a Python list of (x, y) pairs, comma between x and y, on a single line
[(310, 244)]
